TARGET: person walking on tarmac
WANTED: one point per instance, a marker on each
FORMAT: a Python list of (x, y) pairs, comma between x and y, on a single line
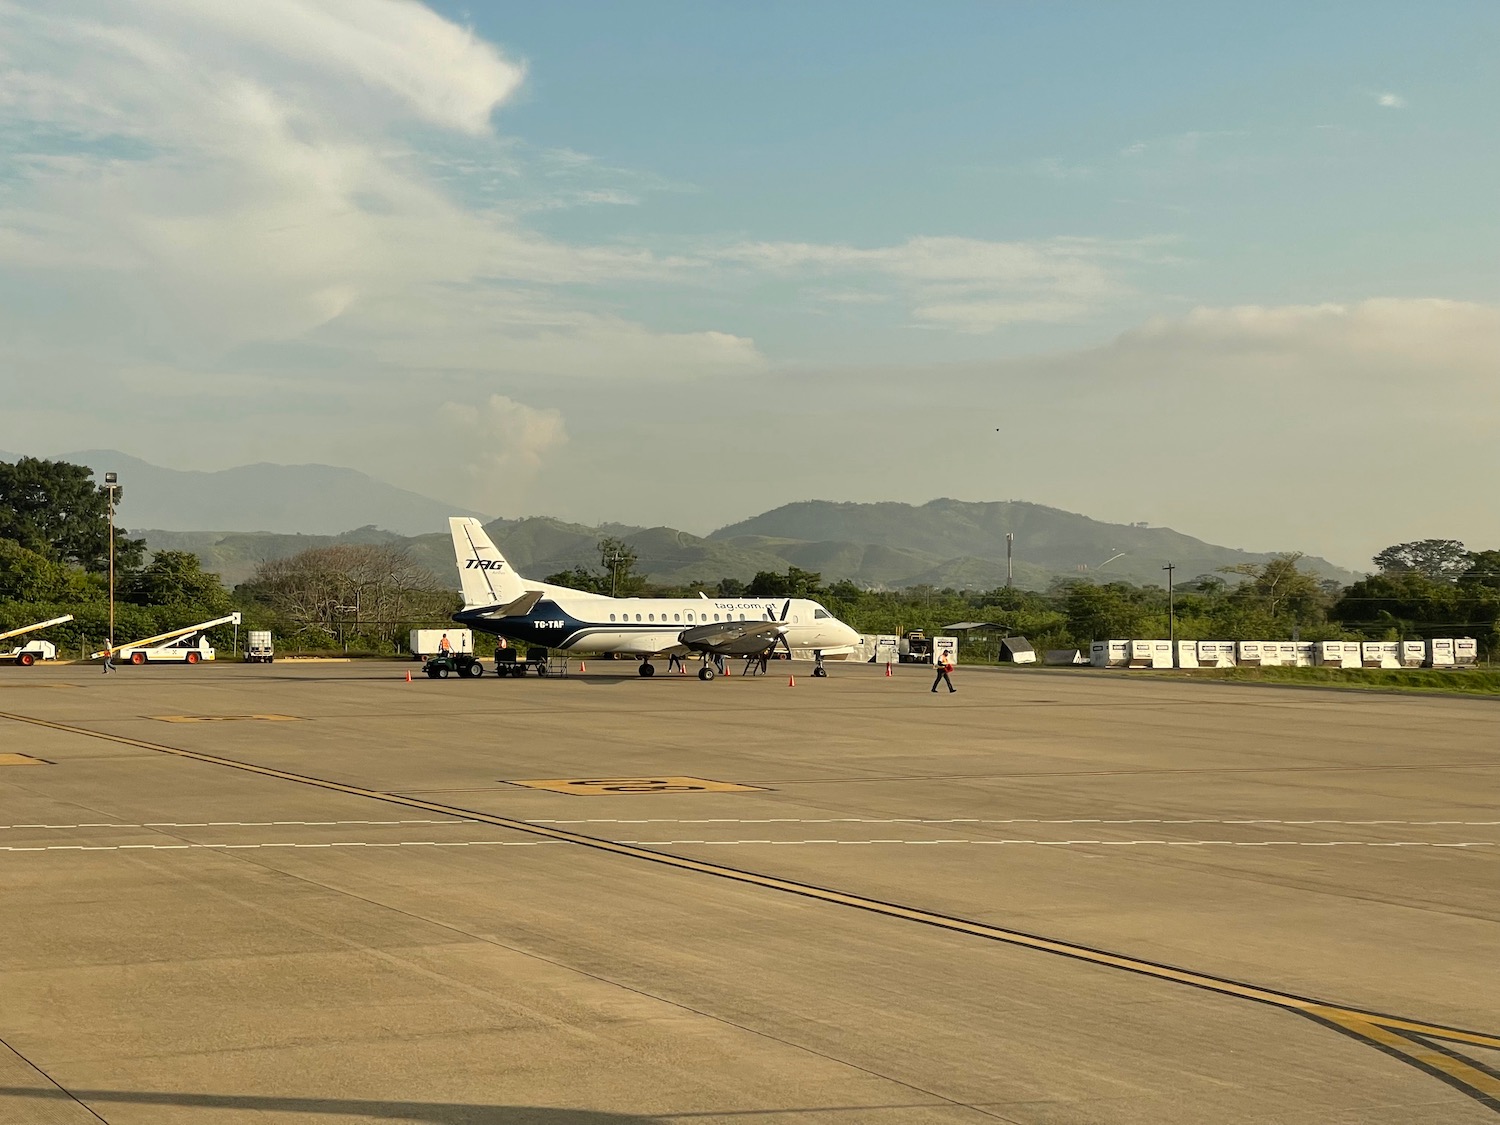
[(109, 655), (944, 666), (674, 661)]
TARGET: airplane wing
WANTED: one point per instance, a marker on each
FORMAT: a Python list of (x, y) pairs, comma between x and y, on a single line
[(733, 638)]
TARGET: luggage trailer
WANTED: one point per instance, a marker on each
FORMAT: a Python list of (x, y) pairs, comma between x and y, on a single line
[(188, 645), (29, 653)]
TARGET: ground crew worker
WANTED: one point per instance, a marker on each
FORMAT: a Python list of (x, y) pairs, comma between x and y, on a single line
[(109, 655), (943, 668), (674, 661), (445, 647)]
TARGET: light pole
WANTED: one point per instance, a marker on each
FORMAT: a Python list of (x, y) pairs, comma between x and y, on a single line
[(1171, 608), (111, 484), (1010, 574)]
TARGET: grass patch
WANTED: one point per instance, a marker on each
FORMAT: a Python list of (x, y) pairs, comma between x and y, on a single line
[(1469, 681)]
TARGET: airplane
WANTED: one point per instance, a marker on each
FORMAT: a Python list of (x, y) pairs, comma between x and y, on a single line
[(498, 600)]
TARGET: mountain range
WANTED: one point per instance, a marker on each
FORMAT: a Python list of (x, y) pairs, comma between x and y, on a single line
[(941, 543)]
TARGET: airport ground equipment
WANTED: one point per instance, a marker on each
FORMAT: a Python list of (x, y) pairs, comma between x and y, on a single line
[(1017, 650), (428, 642), (29, 653), (915, 647), (258, 647), (188, 645), (1109, 654), (466, 664)]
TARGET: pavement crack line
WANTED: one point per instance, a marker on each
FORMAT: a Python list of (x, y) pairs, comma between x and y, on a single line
[(1399, 1037)]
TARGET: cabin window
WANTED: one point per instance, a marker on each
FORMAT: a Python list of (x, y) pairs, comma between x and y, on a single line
[(611, 616), (690, 617), (637, 616), (716, 617), (676, 617), (650, 617)]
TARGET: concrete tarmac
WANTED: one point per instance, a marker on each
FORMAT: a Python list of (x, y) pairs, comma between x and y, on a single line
[(320, 894)]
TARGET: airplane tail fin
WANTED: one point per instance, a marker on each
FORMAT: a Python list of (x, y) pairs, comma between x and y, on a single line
[(487, 578)]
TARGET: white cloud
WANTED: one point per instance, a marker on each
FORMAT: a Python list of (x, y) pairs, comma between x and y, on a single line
[(1390, 101), (187, 178), (501, 445), (967, 284)]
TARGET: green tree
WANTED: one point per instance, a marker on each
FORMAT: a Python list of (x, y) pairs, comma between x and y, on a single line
[(795, 583), (1282, 590), (55, 509), (618, 561), (178, 578), (28, 576), (1435, 558), (1099, 612)]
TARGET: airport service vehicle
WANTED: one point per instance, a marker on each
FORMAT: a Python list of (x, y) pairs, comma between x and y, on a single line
[(915, 648), (457, 663), (498, 600), (258, 649), (429, 642), (29, 653), (188, 645)]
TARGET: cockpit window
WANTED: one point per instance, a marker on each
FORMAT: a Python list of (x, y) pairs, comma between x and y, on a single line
[(820, 612)]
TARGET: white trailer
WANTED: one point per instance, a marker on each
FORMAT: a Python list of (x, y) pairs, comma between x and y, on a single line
[(1109, 654), (1216, 654), (429, 642), (29, 653), (188, 645), (1380, 654)]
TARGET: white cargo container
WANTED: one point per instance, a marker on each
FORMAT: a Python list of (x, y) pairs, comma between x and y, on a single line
[(1440, 653), (1339, 654), (1161, 654), (428, 642), (1187, 654), (1249, 653), (258, 648), (1302, 654), (1270, 654), (1216, 654), (887, 648), (945, 650), (1465, 652), (1109, 654), (1413, 654), (1380, 654)]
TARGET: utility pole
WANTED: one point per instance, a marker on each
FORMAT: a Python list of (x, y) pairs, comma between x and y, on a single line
[(1010, 574), (111, 483), (1171, 608)]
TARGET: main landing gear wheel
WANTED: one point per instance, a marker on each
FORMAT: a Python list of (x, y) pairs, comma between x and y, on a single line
[(647, 669), (705, 673)]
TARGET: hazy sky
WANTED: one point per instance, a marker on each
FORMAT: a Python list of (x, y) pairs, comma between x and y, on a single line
[(1232, 268)]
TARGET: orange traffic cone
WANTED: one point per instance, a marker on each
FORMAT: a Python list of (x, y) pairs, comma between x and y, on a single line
[(726, 667), (408, 676), (791, 681), (582, 667), (887, 669)]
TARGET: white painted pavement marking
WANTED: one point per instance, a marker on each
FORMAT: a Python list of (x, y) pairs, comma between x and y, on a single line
[(230, 824), (773, 843), (765, 820)]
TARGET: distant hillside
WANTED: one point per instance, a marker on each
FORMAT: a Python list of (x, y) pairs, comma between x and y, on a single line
[(1048, 540), (288, 499)]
